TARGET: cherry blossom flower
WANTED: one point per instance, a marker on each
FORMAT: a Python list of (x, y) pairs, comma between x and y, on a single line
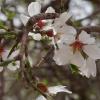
[(53, 91), (81, 51), (59, 27), (11, 66)]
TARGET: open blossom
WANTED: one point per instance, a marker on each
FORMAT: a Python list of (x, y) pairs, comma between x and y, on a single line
[(52, 28), (13, 65), (34, 8), (53, 91), (59, 27), (81, 51)]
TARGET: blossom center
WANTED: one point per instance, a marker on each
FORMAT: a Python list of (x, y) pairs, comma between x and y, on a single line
[(77, 45), (50, 33)]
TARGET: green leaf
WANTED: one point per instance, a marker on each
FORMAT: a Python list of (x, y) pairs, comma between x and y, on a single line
[(10, 14), (2, 26), (77, 23), (46, 40), (74, 69)]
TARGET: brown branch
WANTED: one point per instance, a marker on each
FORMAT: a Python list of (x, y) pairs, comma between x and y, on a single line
[(90, 28), (27, 29)]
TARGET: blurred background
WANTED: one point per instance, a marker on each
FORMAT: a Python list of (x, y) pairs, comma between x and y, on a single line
[(12, 87)]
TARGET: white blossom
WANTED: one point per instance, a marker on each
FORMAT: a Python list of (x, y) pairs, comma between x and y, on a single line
[(36, 36), (53, 91), (70, 51), (60, 27)]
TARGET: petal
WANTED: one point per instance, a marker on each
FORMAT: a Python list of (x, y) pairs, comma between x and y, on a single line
[(77, 59), (86, 38), (62, 19), (57, 89), (6, 52), (50, 10), (1, 69), (14, 54), (36, 36), (89, 69), (24, 19), (65, 16), (41, 98), (67, 39), (13, 67), (66, 29), (34, 8), (62, 55), (92, 51)]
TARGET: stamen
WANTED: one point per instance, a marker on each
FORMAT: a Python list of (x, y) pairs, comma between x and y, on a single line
[(77, 45)]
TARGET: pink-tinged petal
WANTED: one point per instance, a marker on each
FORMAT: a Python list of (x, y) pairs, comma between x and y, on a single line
[(24, 19), (34, 8), (77, 59), (92, 51), (50, 10), (57, 89), (86, 38), (62, 55), (89, 69)]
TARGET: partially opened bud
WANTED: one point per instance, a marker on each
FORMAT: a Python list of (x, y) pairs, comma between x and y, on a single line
[(40, 24), (50, 33), (42, 87)]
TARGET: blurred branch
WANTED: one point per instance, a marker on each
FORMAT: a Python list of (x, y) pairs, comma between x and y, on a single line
[(92, 15), (27, 29), (90, 29)]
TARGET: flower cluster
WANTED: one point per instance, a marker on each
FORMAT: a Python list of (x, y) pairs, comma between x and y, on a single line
[(34, 8), (77, 49)]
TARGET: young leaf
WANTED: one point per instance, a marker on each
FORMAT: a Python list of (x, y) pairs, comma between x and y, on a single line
[(74, 69)]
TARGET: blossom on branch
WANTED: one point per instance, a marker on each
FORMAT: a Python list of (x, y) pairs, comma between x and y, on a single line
[(53, 91), (80, 50), (34, 8)]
